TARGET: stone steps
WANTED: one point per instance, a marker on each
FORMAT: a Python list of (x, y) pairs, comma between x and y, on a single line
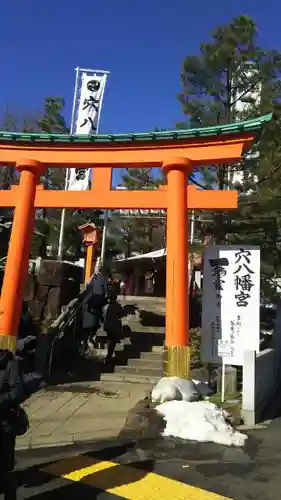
[(156, 363), (132, 363), (137, 327), (128, 377), (139, 352), (102, 343), (138, 339), (152, 355), (140, 370), (130, 351)]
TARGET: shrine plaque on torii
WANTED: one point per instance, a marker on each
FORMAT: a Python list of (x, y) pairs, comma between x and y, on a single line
[(177, 152)]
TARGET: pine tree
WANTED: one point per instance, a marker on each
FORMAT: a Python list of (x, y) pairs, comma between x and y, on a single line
[(233, 78), (53, 122)]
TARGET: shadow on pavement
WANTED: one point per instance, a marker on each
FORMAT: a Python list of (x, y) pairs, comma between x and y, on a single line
[(149, 318), (76, 368), (48, 481)]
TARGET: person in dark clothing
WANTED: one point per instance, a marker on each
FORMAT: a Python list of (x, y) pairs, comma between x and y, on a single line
[(98, 299), (14, 390), (27, 340), (89, 328), (149, 281), (27, 326), (113, 314)]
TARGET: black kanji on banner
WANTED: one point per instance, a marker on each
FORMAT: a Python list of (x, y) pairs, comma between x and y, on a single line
[(91, 102), (93, 127), (93, 85), (80, 174)]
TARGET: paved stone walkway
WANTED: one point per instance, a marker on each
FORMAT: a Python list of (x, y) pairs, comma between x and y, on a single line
[(81, 412)]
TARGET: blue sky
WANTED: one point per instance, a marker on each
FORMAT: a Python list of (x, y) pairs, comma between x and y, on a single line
[(141, 42)]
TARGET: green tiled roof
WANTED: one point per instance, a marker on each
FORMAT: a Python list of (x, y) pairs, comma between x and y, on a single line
[(245, 126)]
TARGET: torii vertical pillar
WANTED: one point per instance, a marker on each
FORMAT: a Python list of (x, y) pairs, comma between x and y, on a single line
[(177, 348), (18, 254)]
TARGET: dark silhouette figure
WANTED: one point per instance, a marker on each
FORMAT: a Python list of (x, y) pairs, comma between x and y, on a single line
[(113, 314), (15, 388)]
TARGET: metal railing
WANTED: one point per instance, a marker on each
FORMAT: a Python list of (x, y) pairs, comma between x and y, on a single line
[(66, 318)]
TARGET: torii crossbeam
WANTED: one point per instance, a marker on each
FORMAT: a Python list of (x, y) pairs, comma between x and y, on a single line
[(177, 152)]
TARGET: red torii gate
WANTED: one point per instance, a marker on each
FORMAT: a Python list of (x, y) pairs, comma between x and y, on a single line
[(177, 152)]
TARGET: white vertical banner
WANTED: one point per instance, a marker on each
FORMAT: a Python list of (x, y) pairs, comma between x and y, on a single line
[(231, 303), (86, 121)]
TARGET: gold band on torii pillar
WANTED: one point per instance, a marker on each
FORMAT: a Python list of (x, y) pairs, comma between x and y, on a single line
[(176, 361), (7, 342)]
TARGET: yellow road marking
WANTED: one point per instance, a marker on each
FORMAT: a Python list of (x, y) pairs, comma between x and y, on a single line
[(85, 473), (129, 482)]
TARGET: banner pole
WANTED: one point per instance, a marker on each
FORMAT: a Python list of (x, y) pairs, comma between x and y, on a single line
[(223, 381), (63, 213), (104, 234), (105, 213), (86, 70)]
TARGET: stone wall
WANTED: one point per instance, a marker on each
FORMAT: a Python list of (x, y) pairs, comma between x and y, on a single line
[(262, 376), (50, 286)]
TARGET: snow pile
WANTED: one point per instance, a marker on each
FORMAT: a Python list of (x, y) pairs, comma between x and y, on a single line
[(203, 388), (174, 389), (199, 421), (177, 389)]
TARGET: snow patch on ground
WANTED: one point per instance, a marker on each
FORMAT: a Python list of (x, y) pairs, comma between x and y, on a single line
[(199, 421)]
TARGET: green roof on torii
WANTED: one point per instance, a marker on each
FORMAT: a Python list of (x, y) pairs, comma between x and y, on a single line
[(252, 125)]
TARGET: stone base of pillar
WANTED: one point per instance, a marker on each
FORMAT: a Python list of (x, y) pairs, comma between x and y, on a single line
[(177, 361), (7, 342)]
